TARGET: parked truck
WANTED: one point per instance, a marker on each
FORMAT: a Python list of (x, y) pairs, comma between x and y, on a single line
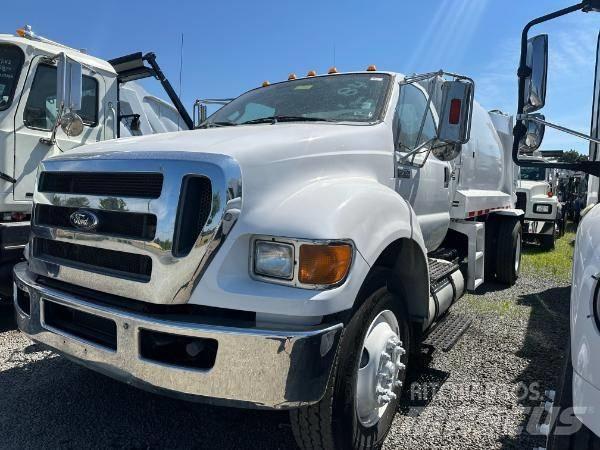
[(579, 396), (291, 253), (538, 199), (110, 104)]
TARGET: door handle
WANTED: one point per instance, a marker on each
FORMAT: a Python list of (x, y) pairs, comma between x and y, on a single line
[(446, 177), (113, 113)]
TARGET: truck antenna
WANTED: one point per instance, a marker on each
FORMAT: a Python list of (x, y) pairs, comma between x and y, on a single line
[(180, 72)]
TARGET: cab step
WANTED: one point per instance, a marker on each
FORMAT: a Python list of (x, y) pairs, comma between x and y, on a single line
[(439, 269), (447, 332)]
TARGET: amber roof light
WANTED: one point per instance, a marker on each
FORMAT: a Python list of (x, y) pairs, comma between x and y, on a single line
[(311, 73), (332, 70), (292, 76), (372, 68), (265, 83)]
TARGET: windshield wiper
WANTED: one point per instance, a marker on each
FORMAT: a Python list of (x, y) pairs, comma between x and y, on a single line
[(219, 124), (275, 119)]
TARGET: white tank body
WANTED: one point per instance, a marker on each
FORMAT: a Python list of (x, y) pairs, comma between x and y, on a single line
[(484, 172), (482, 157)]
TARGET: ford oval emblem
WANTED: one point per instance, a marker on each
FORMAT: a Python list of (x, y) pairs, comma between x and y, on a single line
[(84, 220)]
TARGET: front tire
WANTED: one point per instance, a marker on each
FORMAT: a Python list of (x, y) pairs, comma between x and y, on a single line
[(343, 419), (547, 241), (508, 256)]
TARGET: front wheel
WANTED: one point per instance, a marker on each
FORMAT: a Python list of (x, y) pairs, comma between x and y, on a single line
[(361, 400)]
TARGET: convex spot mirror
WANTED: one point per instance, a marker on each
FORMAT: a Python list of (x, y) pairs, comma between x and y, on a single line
[(71, 124), (69, 90), (537, 64), (447, 152), (534, 135), (455, 115)]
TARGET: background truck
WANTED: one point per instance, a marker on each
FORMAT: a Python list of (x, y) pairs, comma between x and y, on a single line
[(289, 254), (580, 393), (537, 198), (111, 104)]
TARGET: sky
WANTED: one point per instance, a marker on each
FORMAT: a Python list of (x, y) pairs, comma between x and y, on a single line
[(232, 46)]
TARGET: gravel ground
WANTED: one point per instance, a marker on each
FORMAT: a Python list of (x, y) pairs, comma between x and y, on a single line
[(516, 340)]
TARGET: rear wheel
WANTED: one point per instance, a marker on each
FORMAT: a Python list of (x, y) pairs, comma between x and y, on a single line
[(508, 254), (361, 400)]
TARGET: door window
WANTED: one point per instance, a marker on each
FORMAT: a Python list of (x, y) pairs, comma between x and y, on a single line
[(40, 109), (414, 120)]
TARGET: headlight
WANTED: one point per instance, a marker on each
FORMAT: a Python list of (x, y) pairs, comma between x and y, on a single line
[(540, 208), (274, 259), (300, 262)]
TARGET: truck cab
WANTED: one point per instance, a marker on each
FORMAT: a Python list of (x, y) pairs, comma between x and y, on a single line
[(538, 199), (110, 106)]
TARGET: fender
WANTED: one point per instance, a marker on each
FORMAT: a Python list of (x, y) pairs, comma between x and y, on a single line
[(371, 215)]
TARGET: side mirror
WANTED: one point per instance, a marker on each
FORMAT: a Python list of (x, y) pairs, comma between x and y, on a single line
[(537, 62), (69, 80), (532, 139), (455, 112)]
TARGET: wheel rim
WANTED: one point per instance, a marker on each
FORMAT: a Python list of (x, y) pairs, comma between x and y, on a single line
[(378, 368), (518, 254)]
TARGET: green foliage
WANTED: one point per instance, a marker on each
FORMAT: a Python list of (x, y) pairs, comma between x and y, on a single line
[(572, 156), (555, 263)]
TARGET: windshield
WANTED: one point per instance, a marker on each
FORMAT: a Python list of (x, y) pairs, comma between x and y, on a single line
[(533, 173), (11, 60), (335, 98)]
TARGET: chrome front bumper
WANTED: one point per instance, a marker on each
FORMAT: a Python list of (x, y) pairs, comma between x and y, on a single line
[(254, 367)]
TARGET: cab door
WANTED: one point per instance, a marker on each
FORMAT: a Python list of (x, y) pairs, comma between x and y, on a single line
[(36, 116), (421, 179)]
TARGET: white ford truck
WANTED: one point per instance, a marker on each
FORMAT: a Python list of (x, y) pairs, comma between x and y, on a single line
[(109, 105), (580, 394), (289, 254)]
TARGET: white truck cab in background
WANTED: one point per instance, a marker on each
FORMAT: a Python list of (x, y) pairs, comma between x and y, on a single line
[(536, 197), (110, 104), (289, 254)]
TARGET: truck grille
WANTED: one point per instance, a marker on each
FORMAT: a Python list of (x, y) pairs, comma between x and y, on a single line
[(149, 222), (115, 223), (120, 264), (521, 200), (137, 185)]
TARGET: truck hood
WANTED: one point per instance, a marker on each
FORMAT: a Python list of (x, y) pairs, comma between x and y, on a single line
[(250, 145), (277, 162), (534, 188)]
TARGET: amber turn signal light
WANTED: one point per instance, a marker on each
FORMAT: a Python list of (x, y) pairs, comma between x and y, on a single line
[(323, 264)]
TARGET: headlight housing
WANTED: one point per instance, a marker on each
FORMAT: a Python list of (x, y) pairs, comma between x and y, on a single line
[(542, 208), (300, 262)]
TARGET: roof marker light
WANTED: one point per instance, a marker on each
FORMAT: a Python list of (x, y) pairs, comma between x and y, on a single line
[(292, 76), (372, 68), (265, 83), (332, 70), (311, 73)]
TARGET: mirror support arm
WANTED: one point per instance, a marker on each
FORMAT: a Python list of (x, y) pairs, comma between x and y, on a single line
[(533, 118), (524, 71)]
